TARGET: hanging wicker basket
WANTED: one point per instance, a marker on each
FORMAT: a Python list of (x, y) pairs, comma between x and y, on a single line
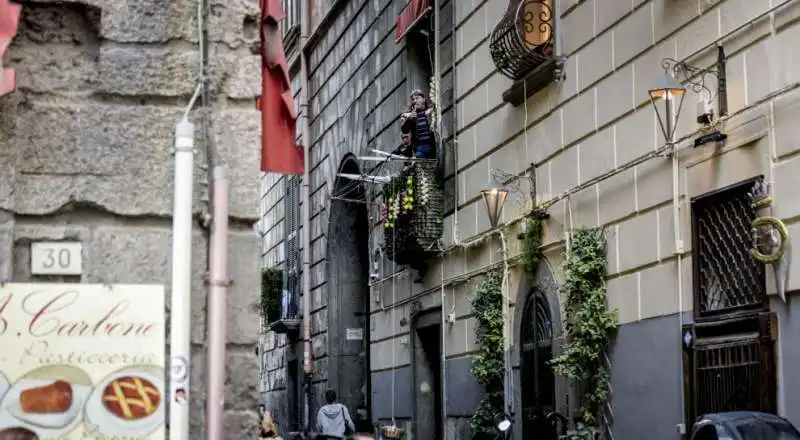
[(415, 226)]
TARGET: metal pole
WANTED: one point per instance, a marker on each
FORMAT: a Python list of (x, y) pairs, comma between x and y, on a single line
[(217, 305), (305, 10), (180, 310)]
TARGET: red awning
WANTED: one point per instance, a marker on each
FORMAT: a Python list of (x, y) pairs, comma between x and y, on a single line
[(279, 151), (414, 11), (9, 20)]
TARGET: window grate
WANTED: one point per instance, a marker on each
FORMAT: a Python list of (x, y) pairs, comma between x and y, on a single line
[(292, 237), (727, 278)]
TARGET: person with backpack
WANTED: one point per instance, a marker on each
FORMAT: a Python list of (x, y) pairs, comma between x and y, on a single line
[(333, 419)]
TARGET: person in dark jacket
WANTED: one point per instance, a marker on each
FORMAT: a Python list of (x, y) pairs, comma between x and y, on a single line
[(404, 149), (417, 122), (333, 419)]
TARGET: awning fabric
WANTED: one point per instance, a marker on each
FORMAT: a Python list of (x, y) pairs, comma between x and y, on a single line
[(279, 151), (412, 14), (9, 21)]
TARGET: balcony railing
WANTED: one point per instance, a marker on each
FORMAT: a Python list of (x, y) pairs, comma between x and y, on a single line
[(412, 214), (289, 318), (522, 47)]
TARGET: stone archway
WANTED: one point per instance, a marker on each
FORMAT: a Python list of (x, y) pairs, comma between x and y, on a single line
[(538, 337), (348, 294)]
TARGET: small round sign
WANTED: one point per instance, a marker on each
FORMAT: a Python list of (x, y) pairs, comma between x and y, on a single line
[(179, 368)]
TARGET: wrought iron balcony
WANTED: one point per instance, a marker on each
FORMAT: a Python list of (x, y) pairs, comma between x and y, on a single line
[(289, 318), (412, 214), (522, 47)]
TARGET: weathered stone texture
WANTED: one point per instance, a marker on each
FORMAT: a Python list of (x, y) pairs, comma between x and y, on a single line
[(164, 71), (242, 394), (118, 157), (243, 297), (241, 425), (245, 76), (238, 138), (149, 21), (87, 153)]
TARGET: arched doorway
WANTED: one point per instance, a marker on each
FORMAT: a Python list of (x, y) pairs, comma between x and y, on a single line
[(348, 294), (536, 375)]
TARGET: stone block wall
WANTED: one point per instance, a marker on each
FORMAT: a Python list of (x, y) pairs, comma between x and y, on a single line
[(86, 144)]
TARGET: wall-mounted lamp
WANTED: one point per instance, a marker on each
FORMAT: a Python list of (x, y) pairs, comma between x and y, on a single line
[(679, 72), (495, 195), (668, 95)]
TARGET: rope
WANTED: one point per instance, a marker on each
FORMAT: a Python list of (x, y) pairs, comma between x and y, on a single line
[(569, 226), (509, 397), (394, 328)]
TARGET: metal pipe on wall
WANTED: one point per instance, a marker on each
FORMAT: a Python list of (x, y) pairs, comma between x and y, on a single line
[(217, 305), (305, 16), (181, 293)]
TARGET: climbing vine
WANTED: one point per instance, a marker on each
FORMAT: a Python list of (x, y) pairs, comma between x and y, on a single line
[(487, 366), (271, 287), (590, 324), (531, 242)]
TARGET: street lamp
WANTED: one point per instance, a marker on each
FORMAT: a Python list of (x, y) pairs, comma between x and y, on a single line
[(495, 197), (671, 93), (503, 423)]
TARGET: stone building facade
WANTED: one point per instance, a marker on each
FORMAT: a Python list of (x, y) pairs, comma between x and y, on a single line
[(86, 142), (593, 121)]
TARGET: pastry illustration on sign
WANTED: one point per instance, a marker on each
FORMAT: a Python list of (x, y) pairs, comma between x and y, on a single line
[(48, 401), (18, 433), (55, 398), (129, 402), (131, 397)]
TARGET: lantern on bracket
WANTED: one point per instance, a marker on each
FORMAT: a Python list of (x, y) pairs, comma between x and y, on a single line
[(494, 194), (667, 98)]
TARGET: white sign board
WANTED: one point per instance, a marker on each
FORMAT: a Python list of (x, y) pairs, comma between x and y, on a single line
[(354, 334), (90, 358), (56, 258)]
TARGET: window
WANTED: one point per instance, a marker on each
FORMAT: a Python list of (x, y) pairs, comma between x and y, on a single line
[(292, 240), (727, 278), (292, 10)]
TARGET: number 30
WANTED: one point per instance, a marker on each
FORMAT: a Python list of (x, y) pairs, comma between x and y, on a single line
[(62, 258)]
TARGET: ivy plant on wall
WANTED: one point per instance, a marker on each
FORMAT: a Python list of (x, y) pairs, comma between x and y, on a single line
[(487, 365), (590, 325), (531, 242), (271, 288)]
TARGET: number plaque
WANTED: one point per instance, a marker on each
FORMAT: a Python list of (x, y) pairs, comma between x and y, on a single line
[(56, 258)]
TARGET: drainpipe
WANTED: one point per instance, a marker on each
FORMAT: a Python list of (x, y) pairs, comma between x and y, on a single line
[(217, 296), (181, 294), (218, 278), (305, 15), (182, 227)]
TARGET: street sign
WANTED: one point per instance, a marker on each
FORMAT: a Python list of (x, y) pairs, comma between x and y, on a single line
[(354, 334), (56, 258)]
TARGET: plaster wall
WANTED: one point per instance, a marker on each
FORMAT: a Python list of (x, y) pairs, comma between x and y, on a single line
[(86, 141)]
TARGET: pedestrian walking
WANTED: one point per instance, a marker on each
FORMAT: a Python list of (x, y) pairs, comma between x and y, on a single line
[(333, 419)]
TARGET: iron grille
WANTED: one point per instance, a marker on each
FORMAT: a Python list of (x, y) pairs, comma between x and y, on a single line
[(727, 278), (292, 282), (730, 376), (523, 39), (731, 368)]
